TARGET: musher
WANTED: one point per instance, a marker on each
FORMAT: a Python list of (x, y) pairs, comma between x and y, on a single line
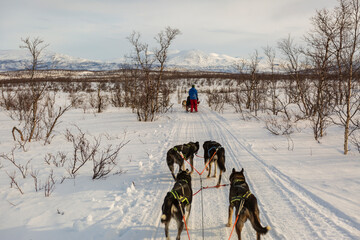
[(193, 98)]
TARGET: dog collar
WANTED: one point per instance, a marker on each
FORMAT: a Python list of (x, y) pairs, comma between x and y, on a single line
[(242, 180)]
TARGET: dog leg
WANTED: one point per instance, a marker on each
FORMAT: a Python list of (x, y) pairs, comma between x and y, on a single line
[(239, 225), (172, 171), (230, 216), (188, 210), (219, 181), (180, 226), (167, 230), (192, 164), (215, 164), (183, 166), (209, 170)]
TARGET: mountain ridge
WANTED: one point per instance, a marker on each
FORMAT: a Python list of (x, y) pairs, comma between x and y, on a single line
[(14, 60)]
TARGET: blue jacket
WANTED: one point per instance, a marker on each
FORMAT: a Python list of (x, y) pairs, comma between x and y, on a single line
[(193, 93)]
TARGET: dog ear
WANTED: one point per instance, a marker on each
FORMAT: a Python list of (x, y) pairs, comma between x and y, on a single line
[(242, 170), (233, 170)]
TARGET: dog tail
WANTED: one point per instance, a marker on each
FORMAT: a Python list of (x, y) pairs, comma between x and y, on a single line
[(221, 160), (258, 228), (170, 162), (263, 230), (166, 208)]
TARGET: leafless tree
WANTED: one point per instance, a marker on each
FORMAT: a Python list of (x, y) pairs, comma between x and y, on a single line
[(143, 61), (35, 47), (37, 90), (347, 54), (320, 55), (164, 40), (293, 65), (270, 54), (147, 85), (253, 89)]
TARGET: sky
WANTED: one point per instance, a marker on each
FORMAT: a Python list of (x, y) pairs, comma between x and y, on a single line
[(98, 29)]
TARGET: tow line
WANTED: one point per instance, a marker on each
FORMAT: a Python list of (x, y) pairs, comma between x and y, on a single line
[(207, 164), (216, 186), (201, 188)]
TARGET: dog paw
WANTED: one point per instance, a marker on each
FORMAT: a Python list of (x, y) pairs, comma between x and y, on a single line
[(228, 225)]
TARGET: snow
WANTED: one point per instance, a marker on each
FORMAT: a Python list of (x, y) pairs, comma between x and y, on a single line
[(309, 192), (11, 60)]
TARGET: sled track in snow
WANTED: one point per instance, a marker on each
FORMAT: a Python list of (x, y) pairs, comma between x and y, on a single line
[(284, 204), (312, 207)]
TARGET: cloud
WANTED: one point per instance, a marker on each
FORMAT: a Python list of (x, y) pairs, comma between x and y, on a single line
[(70, 25)]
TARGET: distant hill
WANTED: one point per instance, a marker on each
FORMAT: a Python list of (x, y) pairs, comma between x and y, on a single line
[(12, 60)]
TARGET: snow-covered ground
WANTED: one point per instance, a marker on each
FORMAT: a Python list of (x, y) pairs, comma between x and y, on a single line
[(309, 192)]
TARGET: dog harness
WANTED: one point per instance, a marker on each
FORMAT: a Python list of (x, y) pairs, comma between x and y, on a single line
[(241, 197), (178, 197), (245, 196), (213, 147), (182, 148)]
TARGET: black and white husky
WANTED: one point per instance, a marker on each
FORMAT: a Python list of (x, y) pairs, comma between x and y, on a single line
[(178, 153), (215, 153), (177, 203)]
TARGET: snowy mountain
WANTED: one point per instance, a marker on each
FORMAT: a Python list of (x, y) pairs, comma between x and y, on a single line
[(198, 60), (12, 60)]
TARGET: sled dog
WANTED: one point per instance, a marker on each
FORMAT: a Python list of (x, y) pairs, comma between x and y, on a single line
[(211, 148), (244, 201), (177, 203), (178, 153), (186, 104)]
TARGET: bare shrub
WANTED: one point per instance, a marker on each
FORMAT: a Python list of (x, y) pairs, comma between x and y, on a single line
[(216, 101), (279, 125), (36, 112), (7, 100), (34, 174), (83, 151), (49, 184), (104, 162), (52, 120), (117, 96), (355, 139), (14, 183), (11, 158), (58, 160), (237, 102)]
